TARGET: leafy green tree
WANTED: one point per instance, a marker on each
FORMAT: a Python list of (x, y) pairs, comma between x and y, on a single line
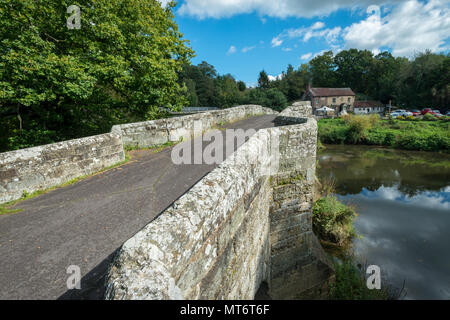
[(275, 100), (353, 69), (191, 93), (121, 65), (425, 81), (323, 70), (242, 86), (263, 80), (270, 98)]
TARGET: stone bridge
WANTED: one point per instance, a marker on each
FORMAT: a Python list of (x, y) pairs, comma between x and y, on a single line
[(150, 229)]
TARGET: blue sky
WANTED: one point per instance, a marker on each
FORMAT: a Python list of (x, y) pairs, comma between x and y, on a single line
[(243, 37)]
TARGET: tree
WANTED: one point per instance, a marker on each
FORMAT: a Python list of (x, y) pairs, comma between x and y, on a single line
[(353, 69), (270, 98), (120, 66), (323, 70), (275, 100), (263, 80), (242, 86)]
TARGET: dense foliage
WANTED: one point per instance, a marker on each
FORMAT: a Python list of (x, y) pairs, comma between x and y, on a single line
[(58, 83), (206, 88), (422, 82), (128, 59), (422, 135)]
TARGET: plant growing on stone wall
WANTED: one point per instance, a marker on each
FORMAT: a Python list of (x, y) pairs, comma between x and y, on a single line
[(333, 221)]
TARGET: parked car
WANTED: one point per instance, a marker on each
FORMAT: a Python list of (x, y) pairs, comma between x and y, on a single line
[(427, 110), (407, 114), (403, 113), (448, 114), (395, 115), (416, 112), (437, 113)]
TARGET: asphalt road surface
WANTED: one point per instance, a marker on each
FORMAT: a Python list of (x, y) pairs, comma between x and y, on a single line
[(84, 224)]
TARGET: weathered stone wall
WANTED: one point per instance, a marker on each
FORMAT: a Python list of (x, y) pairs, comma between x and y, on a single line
[(157, 132), (213, 243), (247, 222), (298, 269), (43, 167)]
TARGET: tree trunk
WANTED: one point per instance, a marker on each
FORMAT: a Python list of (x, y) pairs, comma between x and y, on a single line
[(19, 117)]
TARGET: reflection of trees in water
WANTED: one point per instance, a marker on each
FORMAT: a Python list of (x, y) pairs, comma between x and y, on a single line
[(410, 172)]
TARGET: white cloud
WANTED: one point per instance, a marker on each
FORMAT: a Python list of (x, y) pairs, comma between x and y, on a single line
[(410, 27), (306, 33), (276, 42), (405, 29), (247, 49), (232, 50), (273, 78), (164, 2), (306, 56), (279, 8), (286, 49)]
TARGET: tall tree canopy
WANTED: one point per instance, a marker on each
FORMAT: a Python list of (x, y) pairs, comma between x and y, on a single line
[(119, 66)]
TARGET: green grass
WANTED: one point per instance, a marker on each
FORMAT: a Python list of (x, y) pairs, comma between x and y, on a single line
[(333, 221), (351, 283), (419, 135)]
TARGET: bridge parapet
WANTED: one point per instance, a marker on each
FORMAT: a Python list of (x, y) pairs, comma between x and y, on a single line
[(157, 132), (43, 167), (247, 222)]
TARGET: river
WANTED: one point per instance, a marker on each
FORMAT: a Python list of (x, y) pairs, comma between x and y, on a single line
[(403, 204)]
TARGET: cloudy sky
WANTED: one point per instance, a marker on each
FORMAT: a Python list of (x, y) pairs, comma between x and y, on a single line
[(242, 37)]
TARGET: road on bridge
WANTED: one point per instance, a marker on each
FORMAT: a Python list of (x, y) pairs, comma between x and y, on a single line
[(84, 224)]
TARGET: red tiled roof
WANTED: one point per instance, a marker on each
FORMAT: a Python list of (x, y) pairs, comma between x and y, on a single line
[(367, 104), (331, 92)]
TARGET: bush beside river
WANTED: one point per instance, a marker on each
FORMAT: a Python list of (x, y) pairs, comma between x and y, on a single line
[(421, 135)]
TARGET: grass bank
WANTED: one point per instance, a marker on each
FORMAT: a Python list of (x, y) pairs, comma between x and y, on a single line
[(411, 134)]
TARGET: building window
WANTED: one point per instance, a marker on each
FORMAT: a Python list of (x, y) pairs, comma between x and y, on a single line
[(334, 100), (349, 100)]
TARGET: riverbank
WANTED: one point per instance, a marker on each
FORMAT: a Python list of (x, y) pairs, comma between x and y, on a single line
[(420, 135), (402, 199)]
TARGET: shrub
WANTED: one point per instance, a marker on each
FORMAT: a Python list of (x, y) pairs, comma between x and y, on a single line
[(358, 126), (333, 221), (410, 118), (333, 134), (400, 118), (351, 284), (374, 119), (389, 139), (411, 135), (376, 137), (429, 117)]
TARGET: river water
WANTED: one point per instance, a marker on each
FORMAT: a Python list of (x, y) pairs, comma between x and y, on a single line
[(403, 203)]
